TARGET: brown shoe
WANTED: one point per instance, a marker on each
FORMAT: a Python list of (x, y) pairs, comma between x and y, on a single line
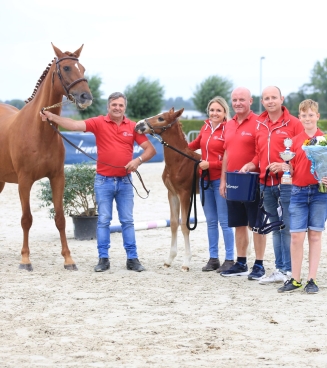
[(212, 265), (226, 265)]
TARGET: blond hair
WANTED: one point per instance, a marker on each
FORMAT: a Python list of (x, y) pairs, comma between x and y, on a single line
[(309, 104), (221, 102)]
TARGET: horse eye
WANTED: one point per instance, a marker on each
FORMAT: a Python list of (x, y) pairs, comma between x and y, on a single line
[(66, 68), (161, 119)]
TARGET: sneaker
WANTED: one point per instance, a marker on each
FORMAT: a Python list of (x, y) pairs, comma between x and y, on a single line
[(238, 269), (212, 265), (311, 287), (276, 276), (257, 273), (290, 286), (226, 265)]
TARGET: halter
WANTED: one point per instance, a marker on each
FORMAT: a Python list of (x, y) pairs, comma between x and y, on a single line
[(70, 98), (163, 129), (67, 88)]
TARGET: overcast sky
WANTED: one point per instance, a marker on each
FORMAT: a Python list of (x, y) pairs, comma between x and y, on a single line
[(177, 42)]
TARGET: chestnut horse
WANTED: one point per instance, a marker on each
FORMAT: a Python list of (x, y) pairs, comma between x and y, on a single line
[(177, 175), (30, 149)]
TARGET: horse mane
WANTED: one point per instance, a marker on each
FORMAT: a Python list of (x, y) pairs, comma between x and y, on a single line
[(40, 80)]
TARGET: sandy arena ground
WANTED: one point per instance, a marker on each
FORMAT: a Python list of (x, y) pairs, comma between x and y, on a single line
[(159, 318)]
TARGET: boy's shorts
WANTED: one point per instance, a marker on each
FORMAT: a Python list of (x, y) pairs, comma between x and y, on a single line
[(308, 209)]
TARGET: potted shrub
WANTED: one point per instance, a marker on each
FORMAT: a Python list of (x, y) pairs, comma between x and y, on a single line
[(79, 199)]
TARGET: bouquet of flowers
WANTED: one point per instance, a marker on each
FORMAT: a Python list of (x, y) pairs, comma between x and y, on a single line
[(316, 151)]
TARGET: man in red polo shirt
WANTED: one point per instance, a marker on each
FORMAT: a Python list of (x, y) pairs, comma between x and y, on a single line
[(274, 125), (115, 138), (239, 150)]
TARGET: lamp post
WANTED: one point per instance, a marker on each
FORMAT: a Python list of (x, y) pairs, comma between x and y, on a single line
[(262, 57)]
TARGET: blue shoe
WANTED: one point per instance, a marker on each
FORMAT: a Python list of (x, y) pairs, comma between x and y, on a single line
[(238, 269), (257, 272)]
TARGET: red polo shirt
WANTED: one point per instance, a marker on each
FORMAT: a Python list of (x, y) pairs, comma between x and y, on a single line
[(301, 164), (240, 141), (115, 143), (270, 138)]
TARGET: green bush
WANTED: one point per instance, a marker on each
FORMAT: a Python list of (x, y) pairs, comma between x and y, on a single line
[(189, 125), (322, 124), (79, 197)]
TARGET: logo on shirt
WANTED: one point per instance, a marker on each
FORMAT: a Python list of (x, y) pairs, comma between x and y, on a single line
[(246, 133), (278, 131), (217, 138), (232, 186), (126, 134)]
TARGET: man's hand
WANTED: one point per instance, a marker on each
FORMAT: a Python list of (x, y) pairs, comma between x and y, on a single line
[(133, 165)]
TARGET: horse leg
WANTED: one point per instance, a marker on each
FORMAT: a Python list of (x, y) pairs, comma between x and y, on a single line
[(174, 205), (185, 202), (2, 185), (57, 185), (24, 189)]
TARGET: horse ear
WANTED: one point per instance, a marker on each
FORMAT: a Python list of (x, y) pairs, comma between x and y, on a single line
[(172, 110), (58, 52), (179, 112), (78, 52)]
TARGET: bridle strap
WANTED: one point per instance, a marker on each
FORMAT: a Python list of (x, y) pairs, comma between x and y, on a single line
[(67, 88), (163, 129)]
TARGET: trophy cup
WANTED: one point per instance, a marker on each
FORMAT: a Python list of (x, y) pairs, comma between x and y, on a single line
[(287, 156)]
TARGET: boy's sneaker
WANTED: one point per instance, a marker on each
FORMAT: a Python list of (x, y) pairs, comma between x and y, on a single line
[(238, 269), (290, 286), (258, 271), (311, 287), (276, 276)]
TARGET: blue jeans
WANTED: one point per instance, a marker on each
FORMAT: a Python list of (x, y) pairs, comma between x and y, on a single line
[(308, 209), (215, 209), (281, 238), (108, 188)]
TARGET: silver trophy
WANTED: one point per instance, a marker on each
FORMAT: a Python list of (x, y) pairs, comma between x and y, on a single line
[(287, 156)]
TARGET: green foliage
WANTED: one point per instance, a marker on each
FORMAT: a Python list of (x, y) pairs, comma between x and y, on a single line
[(99, 105), (17, 103), (211, 87), (144, 99), (79, 197), (322, 124), (189, 125)]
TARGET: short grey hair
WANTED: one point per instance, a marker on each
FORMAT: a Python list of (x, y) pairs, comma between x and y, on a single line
[(116, 95)]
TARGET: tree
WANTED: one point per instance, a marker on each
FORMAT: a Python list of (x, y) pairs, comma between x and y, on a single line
[(144, 99), (98, 106), (17, 103), (211, 87), (318, 86)]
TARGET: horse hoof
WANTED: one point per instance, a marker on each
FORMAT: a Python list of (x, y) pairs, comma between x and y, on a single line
[(185, 268), (26, 267), (166, 265), (71, 267)]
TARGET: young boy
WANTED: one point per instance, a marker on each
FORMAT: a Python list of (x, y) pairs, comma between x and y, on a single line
[(308, 207)]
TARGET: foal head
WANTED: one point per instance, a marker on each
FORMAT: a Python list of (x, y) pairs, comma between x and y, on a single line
[(159, 123)]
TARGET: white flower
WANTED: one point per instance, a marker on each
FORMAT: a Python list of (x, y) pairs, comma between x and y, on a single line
[(320, 139)]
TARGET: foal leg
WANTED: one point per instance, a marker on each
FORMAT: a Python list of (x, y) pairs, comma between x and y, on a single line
[(185, 203), (57, 185), (174, 223), (24, 189)]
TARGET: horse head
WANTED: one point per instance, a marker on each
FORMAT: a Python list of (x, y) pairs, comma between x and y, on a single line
[(71, 79), (159, 123)]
